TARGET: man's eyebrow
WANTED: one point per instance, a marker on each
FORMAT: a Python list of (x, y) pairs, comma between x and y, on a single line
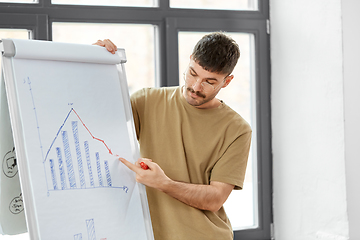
[(192, 69), (213, 79)]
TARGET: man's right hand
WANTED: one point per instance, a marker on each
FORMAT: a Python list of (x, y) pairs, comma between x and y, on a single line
[(108, 44)]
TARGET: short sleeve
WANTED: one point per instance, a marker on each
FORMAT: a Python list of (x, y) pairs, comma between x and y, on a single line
[(231, 166), (137, 105)]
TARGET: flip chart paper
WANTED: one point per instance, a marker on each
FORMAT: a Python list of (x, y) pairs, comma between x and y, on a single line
[(70, 126)]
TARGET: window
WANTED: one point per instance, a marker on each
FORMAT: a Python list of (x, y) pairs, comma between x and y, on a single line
[(14, 33), (211, 4), (18, 1), (124, 3), (140, 65), (162, 34)]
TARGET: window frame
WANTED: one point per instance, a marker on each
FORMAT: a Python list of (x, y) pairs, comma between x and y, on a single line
[(38, 17), (36, 23)]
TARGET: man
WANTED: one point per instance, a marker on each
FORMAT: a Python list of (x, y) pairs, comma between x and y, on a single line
[(196, 147)]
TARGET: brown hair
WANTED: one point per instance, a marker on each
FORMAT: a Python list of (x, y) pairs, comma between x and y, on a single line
[(216, 52)]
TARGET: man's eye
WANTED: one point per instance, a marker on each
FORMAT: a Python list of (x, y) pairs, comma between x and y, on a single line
[(211, 83)]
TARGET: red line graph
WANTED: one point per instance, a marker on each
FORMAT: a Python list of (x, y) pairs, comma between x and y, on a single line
[(87, 129), (95, 138)]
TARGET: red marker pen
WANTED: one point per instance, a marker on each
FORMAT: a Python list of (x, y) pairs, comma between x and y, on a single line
[(144, 166)]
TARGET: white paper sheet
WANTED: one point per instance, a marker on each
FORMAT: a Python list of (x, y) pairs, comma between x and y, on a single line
[(73, 126)]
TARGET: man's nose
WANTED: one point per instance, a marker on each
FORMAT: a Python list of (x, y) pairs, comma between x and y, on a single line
[(197, 85)]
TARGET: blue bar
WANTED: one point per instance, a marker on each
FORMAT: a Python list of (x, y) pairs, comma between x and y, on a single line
[(98, 167), (107, 171), (53, 174), (78, 236), (78, 153), (88, 161), (91, 229), (69, 162), (61, 169)]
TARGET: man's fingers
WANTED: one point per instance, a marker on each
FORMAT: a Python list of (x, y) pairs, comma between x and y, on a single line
[(144, 163), (111, 43), (108, 44), (145, 160), (99, 43), (131, 166)]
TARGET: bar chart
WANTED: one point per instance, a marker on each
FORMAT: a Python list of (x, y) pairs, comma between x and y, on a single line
[(75, 136), (90, 226), (76, 159)]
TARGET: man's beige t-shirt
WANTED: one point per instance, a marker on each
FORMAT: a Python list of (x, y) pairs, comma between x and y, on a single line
[(194, 146)]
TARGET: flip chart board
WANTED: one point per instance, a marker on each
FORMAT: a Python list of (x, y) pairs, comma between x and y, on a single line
[(71, 119), (12, 215)]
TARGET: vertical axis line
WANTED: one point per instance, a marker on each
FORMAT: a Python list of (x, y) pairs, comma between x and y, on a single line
[(37, 122), (38, 131)]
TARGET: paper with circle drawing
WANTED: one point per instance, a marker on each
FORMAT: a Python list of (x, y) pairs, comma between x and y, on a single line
[(12, 217)]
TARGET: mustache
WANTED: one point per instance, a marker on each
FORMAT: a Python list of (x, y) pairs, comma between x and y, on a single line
[(197, 92)]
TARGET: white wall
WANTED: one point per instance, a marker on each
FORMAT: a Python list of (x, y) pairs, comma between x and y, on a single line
[(351, 40), (308, 120)]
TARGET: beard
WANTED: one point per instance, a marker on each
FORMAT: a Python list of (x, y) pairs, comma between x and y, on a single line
[(197, 92), (201, 100), (196, 102)]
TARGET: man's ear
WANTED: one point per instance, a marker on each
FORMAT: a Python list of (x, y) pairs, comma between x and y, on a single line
[(228, 80)]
